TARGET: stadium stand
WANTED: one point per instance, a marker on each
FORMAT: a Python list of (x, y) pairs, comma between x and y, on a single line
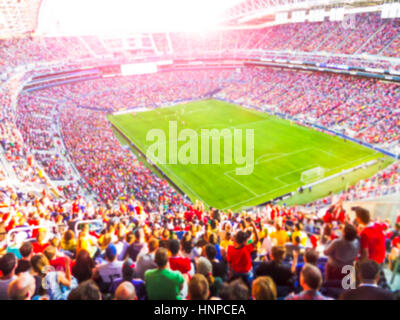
[(79, 210)]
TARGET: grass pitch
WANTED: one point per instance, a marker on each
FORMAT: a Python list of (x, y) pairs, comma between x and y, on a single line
[(282, 151)]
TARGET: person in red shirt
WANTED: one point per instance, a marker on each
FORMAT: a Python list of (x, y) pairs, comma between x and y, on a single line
[(372, 236), (41, 242), (57, 261), (335, 213), (239, 255), (176, 261), (189, 215)]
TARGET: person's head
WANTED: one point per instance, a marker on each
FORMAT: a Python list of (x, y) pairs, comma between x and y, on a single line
[(8, 264), (138, 234), (311, 256), (40, 264), (224, 291), (153, 245), (238, 290), (349, 232), (87, 290), (165, 234), (173, 246), (22, 288), (26, 250), (128, 271), (213, 238), (187, 244), (298, 227), (55, 242), (129, 238), (111, 252), (241, 237), (278, 253), (264, 288), (211, 252), (161, 258), (310, 277), (362, 215), (125, 291), (85, 230), (50, 252), (68, 235), (84, 264), (368, 271), (198, 287), (204, 266)]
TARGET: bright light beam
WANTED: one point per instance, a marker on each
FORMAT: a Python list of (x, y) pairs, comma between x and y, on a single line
[(116, 17)]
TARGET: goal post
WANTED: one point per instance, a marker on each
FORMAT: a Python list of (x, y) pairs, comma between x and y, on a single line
[(312, 175)]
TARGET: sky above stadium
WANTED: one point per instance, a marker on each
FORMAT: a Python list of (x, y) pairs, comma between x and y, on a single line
[(120, 16)]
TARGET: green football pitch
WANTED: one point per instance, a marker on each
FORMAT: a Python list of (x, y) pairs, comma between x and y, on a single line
[(282, 151)]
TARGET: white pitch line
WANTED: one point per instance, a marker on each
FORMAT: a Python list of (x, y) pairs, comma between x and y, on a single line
[(267, 154), (300, 169), (238, 182), (257, 162), (328, 153), (347, 163), (173, 115), (165, 168), (282, 155)]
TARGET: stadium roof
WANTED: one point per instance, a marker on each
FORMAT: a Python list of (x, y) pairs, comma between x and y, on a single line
[(77, 17), (253, 11), (128, 16)]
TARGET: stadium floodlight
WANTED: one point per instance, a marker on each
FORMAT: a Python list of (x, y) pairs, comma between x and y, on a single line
[(312, 175)]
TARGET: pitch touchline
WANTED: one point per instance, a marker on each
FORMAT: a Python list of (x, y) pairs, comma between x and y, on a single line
[(166, 116), (238, 182), (287, 185), (256, 195), (281, 155), (167, 169)]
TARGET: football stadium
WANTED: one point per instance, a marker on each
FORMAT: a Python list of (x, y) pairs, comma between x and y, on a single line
[(199, 150)]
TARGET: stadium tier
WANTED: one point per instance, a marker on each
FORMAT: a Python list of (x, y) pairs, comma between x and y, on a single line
[(114, 178)]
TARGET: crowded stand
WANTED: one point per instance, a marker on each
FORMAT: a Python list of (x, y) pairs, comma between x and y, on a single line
[(204, 254), (83, 218), (363, 33), (383, 37), (144, 232), (385, 182)]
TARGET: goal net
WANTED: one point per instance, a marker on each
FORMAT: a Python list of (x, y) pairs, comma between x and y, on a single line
[(312, 175)]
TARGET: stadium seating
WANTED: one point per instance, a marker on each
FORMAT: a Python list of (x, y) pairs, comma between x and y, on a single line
[(62, 167)]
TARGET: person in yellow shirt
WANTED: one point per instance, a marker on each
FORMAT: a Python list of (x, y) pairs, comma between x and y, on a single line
[(298, 232), (86, 241), (280, 236), (68, 242), (227, 241)]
